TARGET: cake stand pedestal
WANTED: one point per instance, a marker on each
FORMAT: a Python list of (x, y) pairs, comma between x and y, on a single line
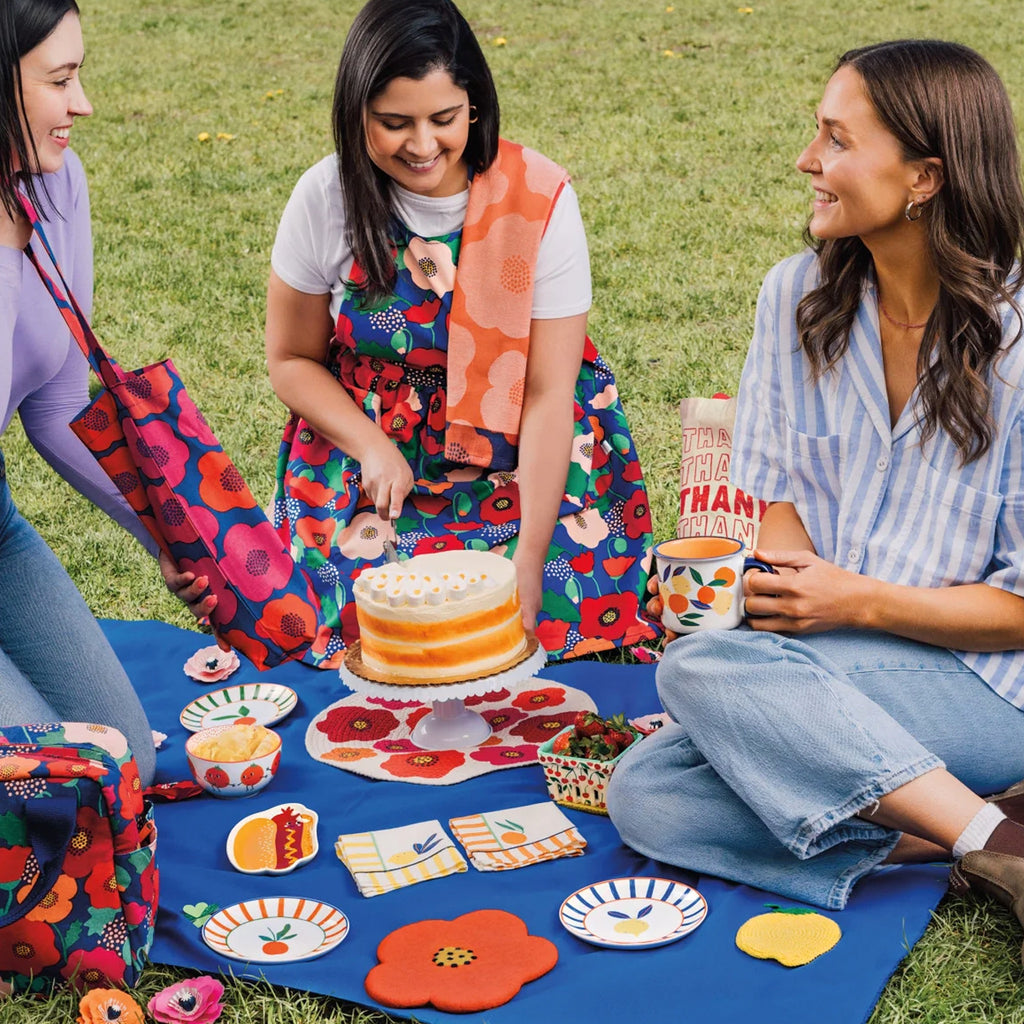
[(451, 725)]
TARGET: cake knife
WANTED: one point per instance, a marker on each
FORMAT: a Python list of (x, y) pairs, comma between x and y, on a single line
[(390, 552)]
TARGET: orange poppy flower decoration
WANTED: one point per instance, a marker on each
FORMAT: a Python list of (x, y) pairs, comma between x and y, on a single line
[(476, 962), (103, 1005)]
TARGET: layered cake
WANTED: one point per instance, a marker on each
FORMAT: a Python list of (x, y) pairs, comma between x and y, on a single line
[(440, 618)]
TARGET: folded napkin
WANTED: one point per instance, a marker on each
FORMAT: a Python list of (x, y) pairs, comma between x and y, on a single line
[(395, 857), (517, 836)]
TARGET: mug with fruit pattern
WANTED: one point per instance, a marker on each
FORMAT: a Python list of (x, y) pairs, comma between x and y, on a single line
[(700, 580)]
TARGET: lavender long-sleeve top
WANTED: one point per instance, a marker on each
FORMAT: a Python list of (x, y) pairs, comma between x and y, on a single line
[(43, 374)]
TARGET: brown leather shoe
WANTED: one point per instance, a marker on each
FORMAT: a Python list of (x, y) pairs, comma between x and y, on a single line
[(1010, 802), (999, 875)]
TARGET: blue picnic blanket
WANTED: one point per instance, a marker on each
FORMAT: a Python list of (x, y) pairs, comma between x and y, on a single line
[(701, 977)]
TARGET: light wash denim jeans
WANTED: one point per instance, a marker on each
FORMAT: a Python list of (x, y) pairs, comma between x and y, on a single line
[(55, 662), (777, 743)]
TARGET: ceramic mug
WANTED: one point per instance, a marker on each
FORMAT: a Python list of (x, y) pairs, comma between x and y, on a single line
[(700, 580)]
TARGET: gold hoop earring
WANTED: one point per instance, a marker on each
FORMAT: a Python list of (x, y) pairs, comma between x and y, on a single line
[(474, 116), (910, 213)]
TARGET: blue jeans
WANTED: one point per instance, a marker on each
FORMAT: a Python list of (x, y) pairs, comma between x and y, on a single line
[(55, 662), (777, 743)]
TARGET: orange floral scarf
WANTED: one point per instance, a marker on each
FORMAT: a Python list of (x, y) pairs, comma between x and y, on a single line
[(489, 331)]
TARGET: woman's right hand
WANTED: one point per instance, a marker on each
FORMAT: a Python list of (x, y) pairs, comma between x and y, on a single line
[(387, 477), (189, 589), (655, 607)]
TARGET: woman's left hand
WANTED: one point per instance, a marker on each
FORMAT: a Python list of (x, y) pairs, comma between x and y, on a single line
[(530, 580), (192, 591), (811, 597)]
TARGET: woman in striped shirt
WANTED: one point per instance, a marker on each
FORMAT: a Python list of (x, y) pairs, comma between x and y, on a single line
[(878, 687)]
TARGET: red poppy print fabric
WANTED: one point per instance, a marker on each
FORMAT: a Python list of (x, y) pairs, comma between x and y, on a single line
[(392, 360), (371, 736), (86, 919)]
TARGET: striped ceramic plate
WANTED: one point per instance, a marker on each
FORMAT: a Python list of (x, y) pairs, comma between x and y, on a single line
[(260, 703), (633, 913), (275, 930)]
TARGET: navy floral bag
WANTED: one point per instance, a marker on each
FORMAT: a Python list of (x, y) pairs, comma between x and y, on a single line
[(78, 877)]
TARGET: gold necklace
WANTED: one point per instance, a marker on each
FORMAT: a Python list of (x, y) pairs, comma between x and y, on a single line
[(899, 323)]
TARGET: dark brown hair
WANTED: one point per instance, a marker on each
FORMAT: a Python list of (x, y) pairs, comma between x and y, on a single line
[(398, 39), (940, 100), (24, 24)]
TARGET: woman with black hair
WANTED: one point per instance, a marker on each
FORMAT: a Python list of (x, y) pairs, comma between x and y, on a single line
[(447, 409), (55, 663), (879, 687)]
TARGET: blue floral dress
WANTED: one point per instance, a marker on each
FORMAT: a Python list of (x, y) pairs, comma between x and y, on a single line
[(392, 360)]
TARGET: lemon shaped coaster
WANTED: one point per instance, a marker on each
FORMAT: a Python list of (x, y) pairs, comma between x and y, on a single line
[(792, 935), (274, 841)]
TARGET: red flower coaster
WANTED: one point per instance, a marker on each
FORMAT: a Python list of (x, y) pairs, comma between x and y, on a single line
[(476, 962)]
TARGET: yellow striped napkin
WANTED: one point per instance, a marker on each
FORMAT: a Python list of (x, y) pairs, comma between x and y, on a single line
[(517, 836), (395, 857)]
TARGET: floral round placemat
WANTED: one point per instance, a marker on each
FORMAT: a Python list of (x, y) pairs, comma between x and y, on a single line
[(371, 736)]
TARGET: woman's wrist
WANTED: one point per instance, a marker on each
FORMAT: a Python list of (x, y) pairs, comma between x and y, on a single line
[(866, 603)]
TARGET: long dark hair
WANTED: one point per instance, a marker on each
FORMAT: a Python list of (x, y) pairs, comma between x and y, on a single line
[(24, 24), (400, 39), (939, 100)]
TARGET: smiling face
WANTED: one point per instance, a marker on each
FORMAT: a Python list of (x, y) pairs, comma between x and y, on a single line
[(416, 133), (861, 181), (52, 91)]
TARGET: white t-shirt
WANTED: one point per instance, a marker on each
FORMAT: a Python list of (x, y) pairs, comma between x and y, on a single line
[(312, 254)]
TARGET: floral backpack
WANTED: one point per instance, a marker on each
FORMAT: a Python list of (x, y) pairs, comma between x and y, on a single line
[(78, 877)]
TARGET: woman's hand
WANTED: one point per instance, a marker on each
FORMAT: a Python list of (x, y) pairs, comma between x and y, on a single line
[(530, 581), (809, 595), (189, 589), (387, 477), (655, 606)]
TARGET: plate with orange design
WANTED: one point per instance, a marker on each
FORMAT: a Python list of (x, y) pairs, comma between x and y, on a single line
[(276, 930), (253, 703)]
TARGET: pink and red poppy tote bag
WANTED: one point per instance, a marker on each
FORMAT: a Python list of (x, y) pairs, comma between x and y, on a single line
[(152, 441)]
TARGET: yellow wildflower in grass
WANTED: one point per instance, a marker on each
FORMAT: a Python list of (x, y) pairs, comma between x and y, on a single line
[(744, 10), (501, 41), (224, 136), (669, 10), (203, 137), (669, 53)]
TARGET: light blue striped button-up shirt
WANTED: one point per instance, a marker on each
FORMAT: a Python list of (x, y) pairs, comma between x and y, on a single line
[(872, 498)]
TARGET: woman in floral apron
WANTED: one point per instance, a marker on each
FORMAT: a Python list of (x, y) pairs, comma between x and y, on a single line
[(426, 326)]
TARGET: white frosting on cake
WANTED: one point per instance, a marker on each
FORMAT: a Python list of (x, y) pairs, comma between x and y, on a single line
[(451, 614)]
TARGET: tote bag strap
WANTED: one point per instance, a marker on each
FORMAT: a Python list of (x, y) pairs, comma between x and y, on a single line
[(50, 824), (104, 366)]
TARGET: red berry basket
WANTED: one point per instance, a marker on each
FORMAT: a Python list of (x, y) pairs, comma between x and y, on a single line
[(577, 782)]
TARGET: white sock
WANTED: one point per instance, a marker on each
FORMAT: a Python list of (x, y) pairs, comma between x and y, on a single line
[(979, 830)]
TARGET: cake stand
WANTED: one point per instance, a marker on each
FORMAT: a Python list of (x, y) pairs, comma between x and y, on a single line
[(451, 725)]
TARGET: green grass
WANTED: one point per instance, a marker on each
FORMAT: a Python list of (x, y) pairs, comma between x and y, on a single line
[(681, 128)]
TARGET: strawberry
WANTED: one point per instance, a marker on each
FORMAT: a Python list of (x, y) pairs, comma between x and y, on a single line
[(619, 732), (596, 748), (562, 742), (588, 724)]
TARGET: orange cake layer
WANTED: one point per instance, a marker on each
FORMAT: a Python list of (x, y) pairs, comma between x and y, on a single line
[(444, 616)]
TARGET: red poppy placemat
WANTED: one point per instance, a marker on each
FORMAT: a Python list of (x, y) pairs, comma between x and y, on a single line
[(371, 736)]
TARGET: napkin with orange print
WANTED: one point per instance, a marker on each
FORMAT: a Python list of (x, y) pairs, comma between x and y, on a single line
[(391, 858), (517, 836)]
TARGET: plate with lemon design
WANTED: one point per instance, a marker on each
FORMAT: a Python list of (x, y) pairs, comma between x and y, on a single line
[(633, 913)]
